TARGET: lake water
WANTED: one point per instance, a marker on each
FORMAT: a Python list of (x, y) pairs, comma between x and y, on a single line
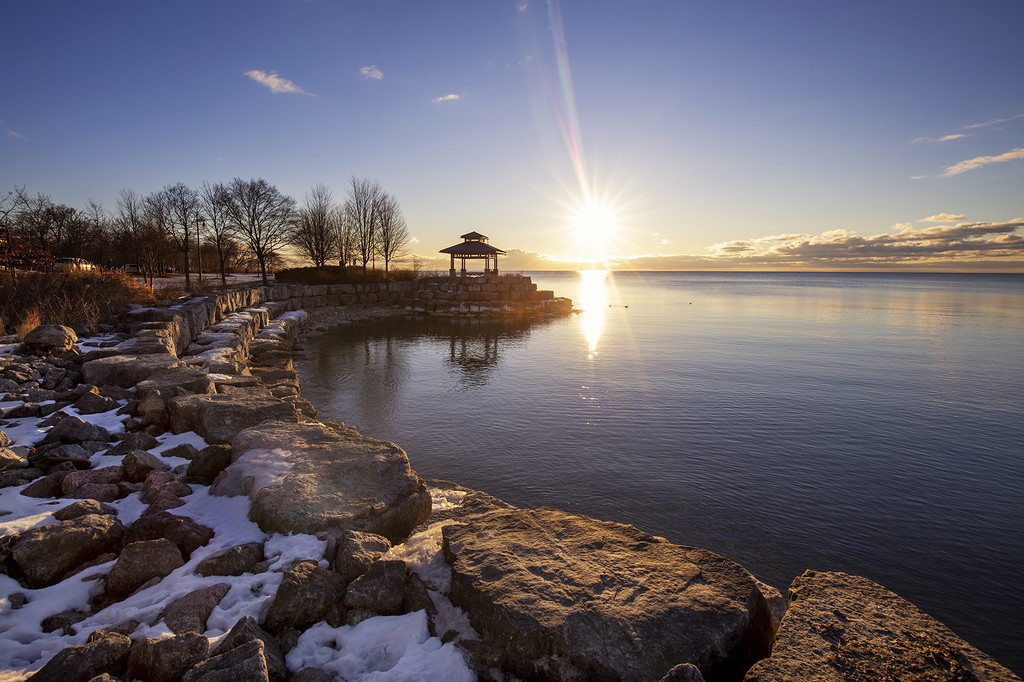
[(866, 423)]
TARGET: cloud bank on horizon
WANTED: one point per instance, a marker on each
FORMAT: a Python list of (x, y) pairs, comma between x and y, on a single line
[(974, 246)]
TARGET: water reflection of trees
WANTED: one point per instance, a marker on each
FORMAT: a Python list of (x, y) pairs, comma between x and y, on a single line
[(474, 346)]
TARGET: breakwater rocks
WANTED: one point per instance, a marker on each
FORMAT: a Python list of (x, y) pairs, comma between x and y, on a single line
[(484, 296), (172, 509)]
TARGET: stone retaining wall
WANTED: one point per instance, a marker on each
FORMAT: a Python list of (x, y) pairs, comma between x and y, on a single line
[(484, 295)]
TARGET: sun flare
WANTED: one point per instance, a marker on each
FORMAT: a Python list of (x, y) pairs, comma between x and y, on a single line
[(595, 228)]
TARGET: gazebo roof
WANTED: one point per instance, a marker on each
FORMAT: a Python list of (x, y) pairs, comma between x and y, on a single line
[(472, 248), (474, 235)]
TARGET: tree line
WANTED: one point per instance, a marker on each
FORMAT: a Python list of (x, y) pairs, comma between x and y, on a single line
[(241, 224)]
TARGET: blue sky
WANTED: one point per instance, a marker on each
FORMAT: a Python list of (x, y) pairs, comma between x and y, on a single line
[(712, 134)]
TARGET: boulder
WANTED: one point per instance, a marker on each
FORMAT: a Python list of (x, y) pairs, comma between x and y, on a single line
[(307, 594), (72, 429), (50, 484), (77, 509), (139, 440), (139, 464), (234, 561), (559, 596), (248, 630), (843, 628), (246, 662), (186, 534), (125, 370), (207, 464), (91, 403), (11, 460), (219, 418), (307, 478), (140, 562), (175, 381), (163, 482), (684, 672), (189, 613), (47, 554), (50, 337), (381, 589), (167, 659), (355, 552), (48, 458), (74, 482), (105, 652)]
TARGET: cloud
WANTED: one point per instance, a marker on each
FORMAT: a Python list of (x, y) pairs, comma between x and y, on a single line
[(276, 83), (15, 134), (445, 98), (371, 73), (993, 122), (942, 218), (964, 242), (944, 138), (980, 161)]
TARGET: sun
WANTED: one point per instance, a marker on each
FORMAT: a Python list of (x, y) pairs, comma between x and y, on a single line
[(595, 227)]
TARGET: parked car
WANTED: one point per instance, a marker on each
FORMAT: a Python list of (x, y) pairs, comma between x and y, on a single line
[(132, 268), (72, 264)]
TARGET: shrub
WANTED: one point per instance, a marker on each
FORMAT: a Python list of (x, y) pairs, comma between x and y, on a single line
[(75, 298), (33, 318)]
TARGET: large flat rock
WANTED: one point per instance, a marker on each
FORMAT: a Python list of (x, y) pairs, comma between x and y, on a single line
[(845, 628), (556, 596), (308, 477), (126, 370), (219, 418)]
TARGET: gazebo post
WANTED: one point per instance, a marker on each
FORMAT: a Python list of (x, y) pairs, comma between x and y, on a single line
[(452, 271)]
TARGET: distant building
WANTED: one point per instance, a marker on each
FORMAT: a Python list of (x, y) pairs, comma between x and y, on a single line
[(474, 246)]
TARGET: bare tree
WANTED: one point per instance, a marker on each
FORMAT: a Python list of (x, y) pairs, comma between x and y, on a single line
[(154, 233), (346, 237), (261, 215), (215, 200), (8, 204), (360, 209), (315, 233), (392, 230), (34, 220), (182, 203), (101, 240)]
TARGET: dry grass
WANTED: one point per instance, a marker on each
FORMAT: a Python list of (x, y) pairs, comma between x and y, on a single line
[(72, 298), (33, 318)]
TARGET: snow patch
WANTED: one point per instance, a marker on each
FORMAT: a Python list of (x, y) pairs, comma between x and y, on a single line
[(390, 648)]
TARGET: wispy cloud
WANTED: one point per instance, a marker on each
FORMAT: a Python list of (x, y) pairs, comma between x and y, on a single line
[(944, 138), (371, 73), (993, 122), (15, 134), (445, 98), (275, 83), (972, 126), (942, 218), (981, 161)]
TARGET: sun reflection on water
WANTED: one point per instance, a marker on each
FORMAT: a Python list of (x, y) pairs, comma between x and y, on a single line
[(594, 302)]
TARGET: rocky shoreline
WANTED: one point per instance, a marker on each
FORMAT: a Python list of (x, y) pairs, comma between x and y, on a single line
[(172, 509)]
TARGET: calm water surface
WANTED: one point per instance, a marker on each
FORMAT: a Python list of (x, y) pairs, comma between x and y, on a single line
[(872, 424)]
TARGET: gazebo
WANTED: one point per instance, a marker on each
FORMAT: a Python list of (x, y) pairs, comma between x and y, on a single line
[(474, 245)]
